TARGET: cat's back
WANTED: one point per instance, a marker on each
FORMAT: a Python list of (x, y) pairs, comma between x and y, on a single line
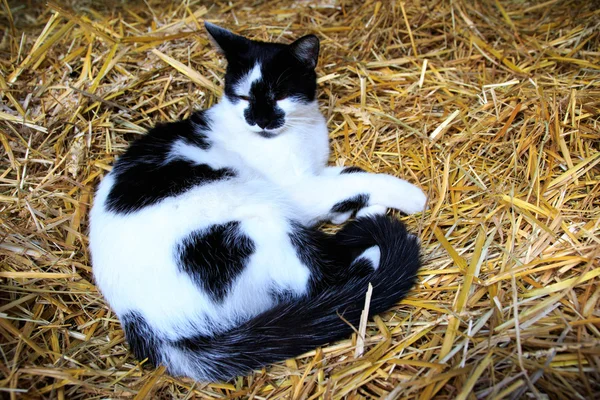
[(153, 148), (142, 209)]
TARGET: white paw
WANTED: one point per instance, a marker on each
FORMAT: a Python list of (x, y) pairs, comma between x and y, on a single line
[(339, 219), (399, 194), (414, 200), (371, 210)]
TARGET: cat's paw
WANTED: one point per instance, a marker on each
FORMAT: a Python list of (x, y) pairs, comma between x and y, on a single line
[(400, 195), (414, 200)]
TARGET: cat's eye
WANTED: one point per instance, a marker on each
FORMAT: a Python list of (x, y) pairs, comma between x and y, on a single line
[(247, 98)]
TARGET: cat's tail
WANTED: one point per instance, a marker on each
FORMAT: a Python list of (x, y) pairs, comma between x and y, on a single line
[(300, 325)]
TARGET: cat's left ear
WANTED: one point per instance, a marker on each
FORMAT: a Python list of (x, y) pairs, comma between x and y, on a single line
[(226, 41), (306, 49)]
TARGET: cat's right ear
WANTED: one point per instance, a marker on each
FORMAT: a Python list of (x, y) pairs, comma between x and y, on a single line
[(226, 41)]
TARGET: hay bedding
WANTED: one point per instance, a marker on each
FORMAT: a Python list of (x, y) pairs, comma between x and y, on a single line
[(493, 107)]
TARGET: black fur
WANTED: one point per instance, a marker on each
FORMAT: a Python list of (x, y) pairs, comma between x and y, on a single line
[(141, 176), (352, 204), (351, 170), (280, 296), (299, 325), (214, 258), (263, 112), (141, 338)]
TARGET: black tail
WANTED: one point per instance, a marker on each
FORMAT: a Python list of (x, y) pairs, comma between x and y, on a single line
[(300, 325)]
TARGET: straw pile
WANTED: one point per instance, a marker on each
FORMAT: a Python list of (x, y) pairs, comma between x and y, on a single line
[(492, 107)]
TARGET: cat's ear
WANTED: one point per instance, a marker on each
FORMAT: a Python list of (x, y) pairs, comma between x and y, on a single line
[(306, 49), (226, 41)]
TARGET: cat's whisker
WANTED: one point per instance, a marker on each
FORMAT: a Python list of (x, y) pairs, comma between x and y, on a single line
[(279, 78), (306, 119)]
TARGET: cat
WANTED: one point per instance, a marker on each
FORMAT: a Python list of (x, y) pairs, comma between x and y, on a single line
[(204, 236)]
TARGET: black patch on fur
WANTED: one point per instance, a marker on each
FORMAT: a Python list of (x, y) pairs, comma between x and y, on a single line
[(351, 170), (141, 338), (352, 204), (142, 177), (215, 257), (143, 185)]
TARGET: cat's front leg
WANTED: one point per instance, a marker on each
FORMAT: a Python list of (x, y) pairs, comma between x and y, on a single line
[(331, 196), (341, 217)]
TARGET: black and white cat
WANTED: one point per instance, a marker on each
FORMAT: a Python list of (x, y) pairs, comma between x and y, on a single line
[(203, 236)]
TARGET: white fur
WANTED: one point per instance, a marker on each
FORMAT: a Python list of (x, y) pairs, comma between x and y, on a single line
[(279, 179), (372, 210), (242, 88)]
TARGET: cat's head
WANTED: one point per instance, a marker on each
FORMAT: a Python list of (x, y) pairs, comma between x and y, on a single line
[(269, 86)]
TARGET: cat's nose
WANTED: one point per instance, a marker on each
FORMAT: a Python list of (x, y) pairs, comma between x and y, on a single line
[(263, 122)]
